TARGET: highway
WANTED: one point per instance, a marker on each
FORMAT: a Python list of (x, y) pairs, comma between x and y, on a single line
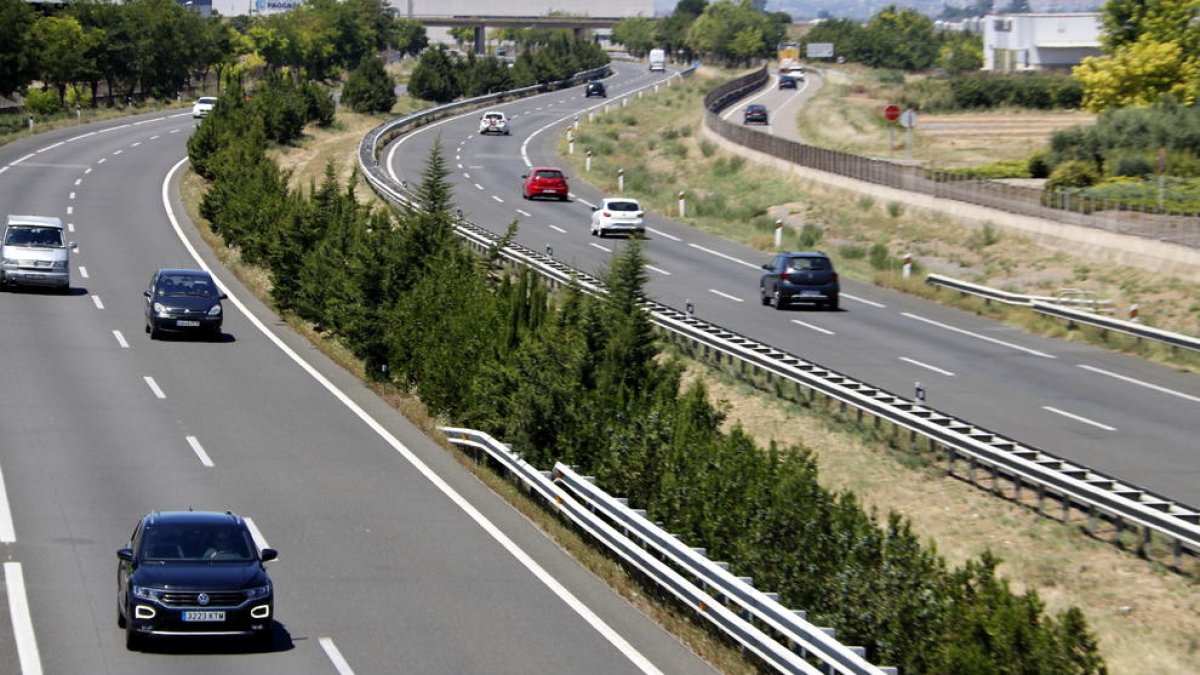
[(392, 557), (1117, 414)]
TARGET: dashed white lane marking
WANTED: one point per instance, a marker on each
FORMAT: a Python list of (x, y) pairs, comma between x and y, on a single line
[(71, 196), (466, 175), (497, 199), (102, 160), (199, 450), (50, 147), (1140, 383), (663, 272), (154, 138), (722, 255), (524, 213), (602, 248), (585, 203), (864, 300), (664, 235), (18, 607), (725, 295), (70, 210), (135, 144), (810, 326), (460, 166), (335, 656), (478, 186), (117, 152), (158, 392), (3, 169), (985, 338), (1078, 418), (75, 138), (87, 170), (556, 228), (121, 339), (78, 181), (256, 534), (96, 301), (458, 158), (174, 131), (18, 161), (83, 272), (8, 534), (70, 227), (921, 364)]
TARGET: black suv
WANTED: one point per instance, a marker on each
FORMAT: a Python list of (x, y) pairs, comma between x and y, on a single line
[(194, 573), (799, 276), (595, 88)]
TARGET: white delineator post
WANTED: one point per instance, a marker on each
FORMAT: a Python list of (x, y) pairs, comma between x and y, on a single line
[(907, 266), (620, 180), (587, 163), (682, 204), (570, 142), (778, 233)]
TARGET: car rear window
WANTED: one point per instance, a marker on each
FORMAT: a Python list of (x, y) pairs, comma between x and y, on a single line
[(494, 116), (801, 264), (546, 173), (624, 206)]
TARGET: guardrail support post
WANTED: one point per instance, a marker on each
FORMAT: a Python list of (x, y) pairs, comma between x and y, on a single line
[(1041, 498), (1066, 507), (1091, 521), (1143, 548)]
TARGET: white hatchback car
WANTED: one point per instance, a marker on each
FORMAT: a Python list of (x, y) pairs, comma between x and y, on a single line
[(493, 122), (618, 214), (203, 106)]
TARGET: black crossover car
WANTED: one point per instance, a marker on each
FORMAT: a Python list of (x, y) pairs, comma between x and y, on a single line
[(595, 88), (183, 300), (787, 82), (799, 277), (756, 113), (194, 573)]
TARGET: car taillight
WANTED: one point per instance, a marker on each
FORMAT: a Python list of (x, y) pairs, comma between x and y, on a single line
[(606, 214), (638, 214), (784, 277), (833, 277)]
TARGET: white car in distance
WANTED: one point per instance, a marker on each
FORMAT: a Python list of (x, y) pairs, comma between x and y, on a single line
[(493, 122), (618, 214), (203, 106)]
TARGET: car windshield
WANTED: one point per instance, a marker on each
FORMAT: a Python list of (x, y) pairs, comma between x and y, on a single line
[(206, 100), (34, 237), (802, 264), (624, 206), (192, 543), (548, 173), (183, 284)]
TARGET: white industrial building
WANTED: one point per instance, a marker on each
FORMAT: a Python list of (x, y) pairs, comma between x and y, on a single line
[(1018, 42)]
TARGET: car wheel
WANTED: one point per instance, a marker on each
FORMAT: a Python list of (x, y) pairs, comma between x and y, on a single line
[(133, 641), (762, 295), (777, 300), (120, 617), (833, 306), (154, 333), (264, 639)]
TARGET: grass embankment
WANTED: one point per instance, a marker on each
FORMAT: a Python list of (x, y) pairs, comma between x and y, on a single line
[(1146, 618)]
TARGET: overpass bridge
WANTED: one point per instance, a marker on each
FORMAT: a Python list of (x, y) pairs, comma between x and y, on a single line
[(577, 24)]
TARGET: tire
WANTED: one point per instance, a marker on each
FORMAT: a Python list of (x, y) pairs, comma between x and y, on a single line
[(833, 306), (133, 641), (762, 295), (264, 640), (777, 301), (120, 617)]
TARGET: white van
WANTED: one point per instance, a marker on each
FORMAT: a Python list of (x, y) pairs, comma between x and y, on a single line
[(34, 253), (658, 60)]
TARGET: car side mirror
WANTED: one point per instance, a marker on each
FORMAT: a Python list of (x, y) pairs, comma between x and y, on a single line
[(222, 296), (146, 293), (268, 554), (595, 208), (73, 245), (767, 267), (524, 175), (125, 554)]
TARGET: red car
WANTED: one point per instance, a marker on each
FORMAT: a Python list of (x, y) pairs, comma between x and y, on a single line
[(544, 181)]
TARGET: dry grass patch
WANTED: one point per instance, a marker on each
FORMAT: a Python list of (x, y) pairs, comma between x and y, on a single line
[(1146, 618)]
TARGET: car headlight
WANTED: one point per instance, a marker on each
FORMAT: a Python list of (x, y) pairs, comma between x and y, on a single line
[(147, 592), (159, 308), (215, 311), (9, 261), (258, 592), (59, 265)]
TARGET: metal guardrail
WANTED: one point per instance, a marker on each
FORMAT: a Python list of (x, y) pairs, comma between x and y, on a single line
[(577, 499), (1127, 327), (1057, 307), (1119, 502)]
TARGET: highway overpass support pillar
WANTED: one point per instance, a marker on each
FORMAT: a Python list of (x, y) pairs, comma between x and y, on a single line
[(480, 39)]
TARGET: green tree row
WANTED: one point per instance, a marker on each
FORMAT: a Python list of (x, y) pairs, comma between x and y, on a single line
[(724, 31), (159, 47), (1044, 91), (442, 77), (900, 39), (580, 379)]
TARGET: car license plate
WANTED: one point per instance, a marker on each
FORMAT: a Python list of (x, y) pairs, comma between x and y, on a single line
[(549, 190), (203, 616), (811, 294), (185, 322)]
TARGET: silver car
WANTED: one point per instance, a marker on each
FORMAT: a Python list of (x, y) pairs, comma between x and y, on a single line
[(34, 253), (493, 122)]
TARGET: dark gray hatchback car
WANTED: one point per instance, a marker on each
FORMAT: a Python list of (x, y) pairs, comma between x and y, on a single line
[(799, 277), (179, 300)]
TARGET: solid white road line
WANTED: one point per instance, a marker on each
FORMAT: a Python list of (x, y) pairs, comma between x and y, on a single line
[(18, 161), (935, 369), (174, 131), (863, 300), (1140, 383), (8, 534), (985, 338), (199, 450), (556, 228), (725, 295), (96, 301), (664, 235), (798, 322), (602, 248), (50, 147), (1078, 418), (652, 268), (597, 624), (18, 607), (121, 339), (83, 272), (722, 255), (331, 650), (585, 203), (158, 392), (256, 534), (154, 138)]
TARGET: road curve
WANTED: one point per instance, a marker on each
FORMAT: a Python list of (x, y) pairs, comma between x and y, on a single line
[(393, 558)]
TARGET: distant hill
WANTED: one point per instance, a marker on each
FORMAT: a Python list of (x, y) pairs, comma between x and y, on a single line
[(865, 9)]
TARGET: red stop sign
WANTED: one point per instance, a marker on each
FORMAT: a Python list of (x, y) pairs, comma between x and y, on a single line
[(892, 112)]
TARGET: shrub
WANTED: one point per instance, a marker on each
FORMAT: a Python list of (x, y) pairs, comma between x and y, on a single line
[(370, 89), (1131, 165), (852, 251), (809, 236), (41, 102), (895, 209), (1072, 174), (1039, 164), (879, 257), (318, 104), (708, 148)]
